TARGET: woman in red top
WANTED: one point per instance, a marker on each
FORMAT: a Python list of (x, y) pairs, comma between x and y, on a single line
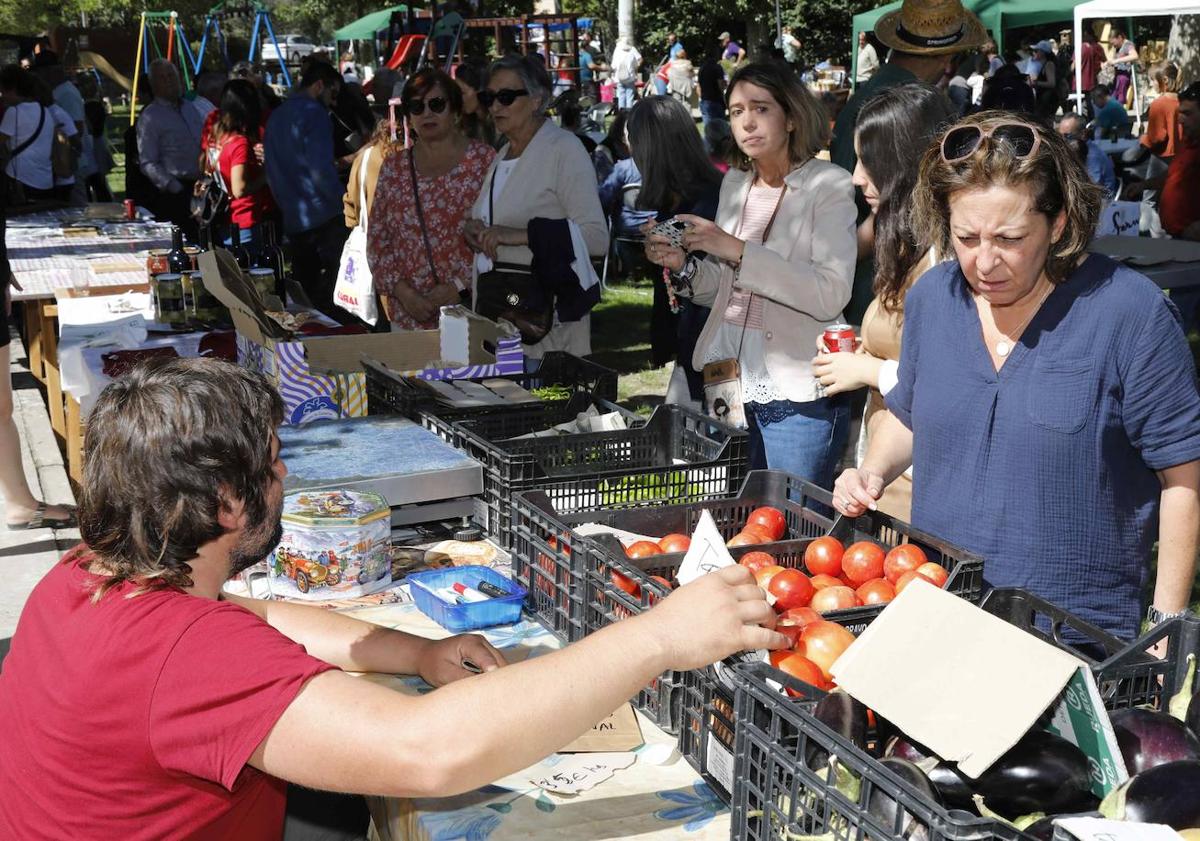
[(239, 138), (415, 246)]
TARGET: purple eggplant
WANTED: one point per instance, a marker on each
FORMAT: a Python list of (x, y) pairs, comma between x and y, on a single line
[(1148, 738), (1041, 773), (1192, 718), (1043, 828), (890, 813), (1167, 794), (952, 786), (844, 716)]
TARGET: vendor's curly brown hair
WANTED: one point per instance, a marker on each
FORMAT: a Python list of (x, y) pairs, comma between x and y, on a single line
[(168, 445), (1054, 175)]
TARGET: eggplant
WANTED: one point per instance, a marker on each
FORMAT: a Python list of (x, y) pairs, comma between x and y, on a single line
[(1148, 739), (954, 788), (890, 813), (1041, 773), (1192, 719), (844, 716), (1043, 828), (1167, 794)]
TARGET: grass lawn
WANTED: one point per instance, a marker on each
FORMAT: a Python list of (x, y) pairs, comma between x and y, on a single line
[(621, 341)]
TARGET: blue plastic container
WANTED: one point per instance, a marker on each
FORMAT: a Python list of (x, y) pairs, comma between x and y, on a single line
[(468, 616)]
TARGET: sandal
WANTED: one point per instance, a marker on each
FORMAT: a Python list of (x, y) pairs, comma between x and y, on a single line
[(39, 520)]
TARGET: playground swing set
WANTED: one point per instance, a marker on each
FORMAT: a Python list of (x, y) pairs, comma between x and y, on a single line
[(189, 63)]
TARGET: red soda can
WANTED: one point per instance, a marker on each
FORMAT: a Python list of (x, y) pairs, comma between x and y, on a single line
[(839, 338), (130, 209)]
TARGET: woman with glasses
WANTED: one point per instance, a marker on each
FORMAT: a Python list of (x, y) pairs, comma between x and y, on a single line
[(414, 236), (537, 222), (778, 268), (890, 131), (1047, 398)]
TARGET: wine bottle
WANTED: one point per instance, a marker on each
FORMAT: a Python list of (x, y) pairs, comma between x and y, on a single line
[(270, 257), (178, 260), (239, 253)]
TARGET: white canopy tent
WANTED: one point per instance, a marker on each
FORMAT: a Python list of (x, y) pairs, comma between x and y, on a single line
[(1116, 9)]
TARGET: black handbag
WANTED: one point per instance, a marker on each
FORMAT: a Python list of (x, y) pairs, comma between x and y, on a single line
[(513, 293)]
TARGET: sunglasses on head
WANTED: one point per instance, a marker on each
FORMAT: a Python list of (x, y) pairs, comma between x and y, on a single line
[(962, 142), (505, 96), (416, 107)]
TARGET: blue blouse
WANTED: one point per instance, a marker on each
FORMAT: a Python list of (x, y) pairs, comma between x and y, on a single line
[(1047, 468)]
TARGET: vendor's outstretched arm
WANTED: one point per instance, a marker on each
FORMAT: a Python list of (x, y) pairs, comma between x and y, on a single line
[(475, 731)]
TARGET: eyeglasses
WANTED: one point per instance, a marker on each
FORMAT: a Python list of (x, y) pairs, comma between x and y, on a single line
[(416, 107), (960, 143), (505, 96)]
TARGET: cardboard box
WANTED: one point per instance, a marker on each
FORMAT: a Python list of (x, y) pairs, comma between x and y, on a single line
[(968, 685), (321, 378)]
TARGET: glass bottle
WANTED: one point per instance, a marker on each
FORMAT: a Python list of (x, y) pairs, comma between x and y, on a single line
[(239, 252), (178, 260)]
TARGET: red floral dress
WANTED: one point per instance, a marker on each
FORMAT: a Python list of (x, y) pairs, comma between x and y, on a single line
[(395, 247)]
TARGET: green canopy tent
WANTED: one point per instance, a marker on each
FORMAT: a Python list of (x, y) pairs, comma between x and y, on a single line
[(997, 16), (367, 26)]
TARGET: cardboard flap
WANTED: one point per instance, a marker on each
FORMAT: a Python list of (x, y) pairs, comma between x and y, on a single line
[(618, 732), (962, 682), (223, 278), (468, 338)]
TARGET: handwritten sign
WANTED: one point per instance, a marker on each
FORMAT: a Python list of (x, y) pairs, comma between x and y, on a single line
[(1120, 218), (1099, 829), (707, 552), (576, 773), (618, 732)]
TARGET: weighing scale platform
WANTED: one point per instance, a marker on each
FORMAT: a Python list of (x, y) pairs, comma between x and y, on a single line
[(421, 476)]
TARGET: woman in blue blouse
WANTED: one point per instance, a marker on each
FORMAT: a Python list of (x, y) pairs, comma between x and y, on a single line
[(1046, 396)]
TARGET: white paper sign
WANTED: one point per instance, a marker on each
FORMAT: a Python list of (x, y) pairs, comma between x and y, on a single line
[(580, 771), (707, 552), (1100, 829), (1120, 218)]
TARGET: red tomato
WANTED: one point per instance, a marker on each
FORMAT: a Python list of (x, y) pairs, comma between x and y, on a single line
[(824, 642), (876, 591), (662, 581), (862, 562), (791, 588), (801, 668), (902, 559), (625, 583), (792, 632), (824, 556), (642, 549), (834, 598), (771, 519), (820, 582), (934, 572), (799, 616), (674, 543), (747, 538), (907, 578), (763, 576), (755, 561)]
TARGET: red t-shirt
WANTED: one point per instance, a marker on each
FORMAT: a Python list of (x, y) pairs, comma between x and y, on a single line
[(133, 718), (1179, 203), (207, 132), (256, 207)]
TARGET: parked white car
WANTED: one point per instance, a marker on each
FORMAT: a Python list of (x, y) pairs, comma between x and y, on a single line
[(293, 47)]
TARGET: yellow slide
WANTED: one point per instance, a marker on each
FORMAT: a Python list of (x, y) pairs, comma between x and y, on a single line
[(98, 61)]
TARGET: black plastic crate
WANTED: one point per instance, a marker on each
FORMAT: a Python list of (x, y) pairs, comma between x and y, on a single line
[(777, 793), (391, 394), (545, 562), (677, 455)]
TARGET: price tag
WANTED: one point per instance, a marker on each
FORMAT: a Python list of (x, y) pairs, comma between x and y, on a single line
[(707, 552), (576, 773)]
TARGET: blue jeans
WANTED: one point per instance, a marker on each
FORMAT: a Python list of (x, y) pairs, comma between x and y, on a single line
[(626, 94), (710, 109), (660, 86), (804, 439)]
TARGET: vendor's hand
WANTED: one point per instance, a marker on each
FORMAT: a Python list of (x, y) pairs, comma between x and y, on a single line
[(496, 235), (472, 228), (736, 618), (448, 660), (661, 252), (842, 372), (704, 235), (414, 303), (856, 490)]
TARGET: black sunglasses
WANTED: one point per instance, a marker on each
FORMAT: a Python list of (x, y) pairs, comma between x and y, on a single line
[(961, 143), (505, 96), (416, 107)]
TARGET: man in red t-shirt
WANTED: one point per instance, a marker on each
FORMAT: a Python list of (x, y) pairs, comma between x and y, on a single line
[(141, 702), (1179, 199)]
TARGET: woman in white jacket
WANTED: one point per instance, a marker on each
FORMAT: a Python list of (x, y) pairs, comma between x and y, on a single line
[(776, 267)]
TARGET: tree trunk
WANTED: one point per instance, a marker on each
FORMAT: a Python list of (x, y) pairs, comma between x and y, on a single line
[(1183, 46), (625, 20)]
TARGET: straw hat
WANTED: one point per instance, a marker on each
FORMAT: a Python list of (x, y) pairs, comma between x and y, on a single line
[(930, 27)]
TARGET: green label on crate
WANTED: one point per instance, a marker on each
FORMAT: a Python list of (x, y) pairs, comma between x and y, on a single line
[(1080, 717)]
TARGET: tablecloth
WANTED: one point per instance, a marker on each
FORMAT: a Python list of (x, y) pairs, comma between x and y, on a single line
[(644, 801)]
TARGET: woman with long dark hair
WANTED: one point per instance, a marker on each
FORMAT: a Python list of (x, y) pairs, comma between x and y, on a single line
[(239, 139), (892, 132), (677, 177)]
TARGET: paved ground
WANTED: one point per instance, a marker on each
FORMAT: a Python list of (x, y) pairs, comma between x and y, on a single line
[(26, 555)]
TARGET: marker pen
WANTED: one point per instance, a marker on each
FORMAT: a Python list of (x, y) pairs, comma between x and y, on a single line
[(490, 589), (469, 594), (448, 595)]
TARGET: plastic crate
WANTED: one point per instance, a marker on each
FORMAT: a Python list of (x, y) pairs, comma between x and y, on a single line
[(675, 455), (776, 793), (391, 394)]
